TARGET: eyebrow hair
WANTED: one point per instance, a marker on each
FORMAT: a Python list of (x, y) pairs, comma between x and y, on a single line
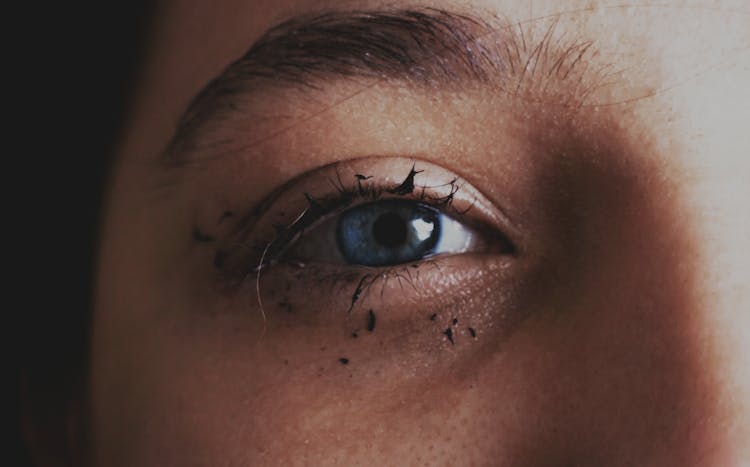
[(424, 47)]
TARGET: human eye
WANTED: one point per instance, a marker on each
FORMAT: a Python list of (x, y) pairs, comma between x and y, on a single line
[(374, 235), (386, 233), (399, 229)]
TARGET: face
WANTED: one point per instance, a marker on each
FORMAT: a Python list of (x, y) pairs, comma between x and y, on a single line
[(471, 233)]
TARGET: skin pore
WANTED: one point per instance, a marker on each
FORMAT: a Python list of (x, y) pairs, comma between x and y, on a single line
[(596, 151)]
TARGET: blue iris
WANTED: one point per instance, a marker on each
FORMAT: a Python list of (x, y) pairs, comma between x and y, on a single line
[(388, 232)]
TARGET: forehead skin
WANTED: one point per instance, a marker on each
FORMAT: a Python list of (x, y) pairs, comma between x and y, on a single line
[(163, 393)]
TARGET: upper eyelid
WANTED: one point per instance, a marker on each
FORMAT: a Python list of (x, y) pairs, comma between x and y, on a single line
[(438, 180), (425, 47)]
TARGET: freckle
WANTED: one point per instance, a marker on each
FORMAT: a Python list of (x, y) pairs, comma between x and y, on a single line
[(355, 335), (433, 317), (473, 332), (286, 362), (322, 349), (344, 361), (449, 334), (371, 321)]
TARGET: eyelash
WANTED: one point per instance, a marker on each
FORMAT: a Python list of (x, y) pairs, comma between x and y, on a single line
[(249, 257), (348, 197)]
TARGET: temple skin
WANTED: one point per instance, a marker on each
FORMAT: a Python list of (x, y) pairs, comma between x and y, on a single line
[(634, 346)]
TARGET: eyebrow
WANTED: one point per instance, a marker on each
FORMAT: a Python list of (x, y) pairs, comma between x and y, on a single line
[(423, 47)]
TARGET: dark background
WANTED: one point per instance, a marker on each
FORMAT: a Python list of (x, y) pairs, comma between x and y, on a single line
[(74, 79)]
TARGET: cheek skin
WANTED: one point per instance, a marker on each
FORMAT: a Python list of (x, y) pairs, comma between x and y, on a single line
[(612, 375), (603, 372)]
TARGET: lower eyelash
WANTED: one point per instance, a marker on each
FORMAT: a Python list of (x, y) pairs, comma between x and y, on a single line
[(364, 282), (403, 274)]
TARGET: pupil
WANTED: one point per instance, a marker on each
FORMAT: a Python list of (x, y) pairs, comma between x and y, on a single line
[(389, 230)]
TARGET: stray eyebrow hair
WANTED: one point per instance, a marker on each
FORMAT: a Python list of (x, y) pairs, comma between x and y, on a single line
[(422, 47)]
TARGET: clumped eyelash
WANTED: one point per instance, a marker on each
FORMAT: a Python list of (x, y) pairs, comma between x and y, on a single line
[(317, 208), (404, 275), (401, 273), (362, 187)]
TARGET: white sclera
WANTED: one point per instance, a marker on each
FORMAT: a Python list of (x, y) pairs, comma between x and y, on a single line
[(454, 236)]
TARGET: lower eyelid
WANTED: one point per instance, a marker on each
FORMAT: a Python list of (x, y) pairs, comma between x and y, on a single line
[(345, 288)]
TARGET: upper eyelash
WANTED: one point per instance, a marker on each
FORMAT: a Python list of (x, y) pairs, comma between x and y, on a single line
[(319, 208)]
